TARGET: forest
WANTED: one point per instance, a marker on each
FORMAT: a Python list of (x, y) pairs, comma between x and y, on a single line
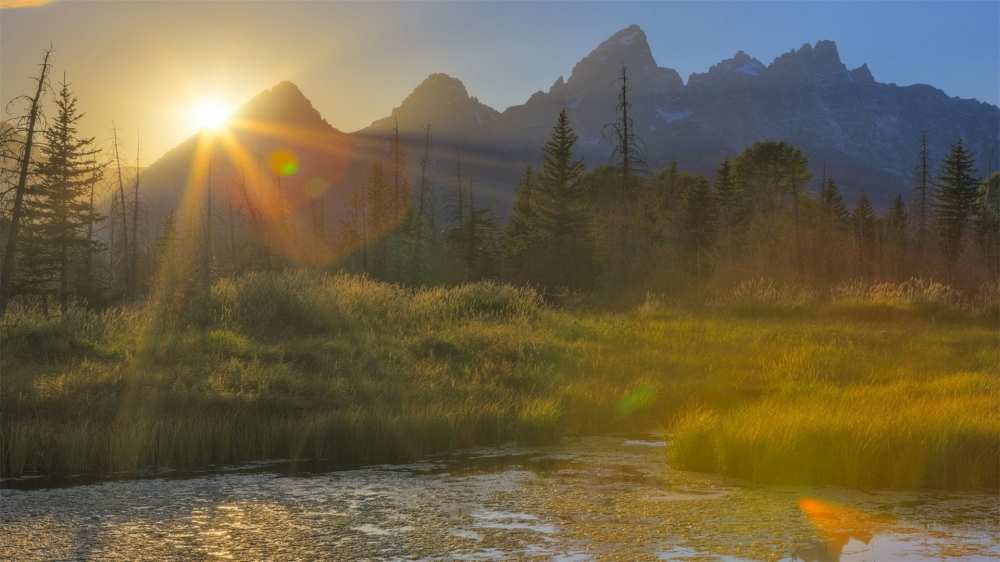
[(610, 298)]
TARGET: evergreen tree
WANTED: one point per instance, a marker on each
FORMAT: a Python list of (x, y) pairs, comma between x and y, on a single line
[(522, 232), (863, 222), (922, 200), (956, 199), (727, 200), (379, 219), (699, 222), (424, 226), (897, 219), (832, 204), (833, 222), (563, 213), (60, 206), (897, 227)]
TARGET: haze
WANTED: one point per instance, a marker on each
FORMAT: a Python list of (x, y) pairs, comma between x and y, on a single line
[(150, 65)]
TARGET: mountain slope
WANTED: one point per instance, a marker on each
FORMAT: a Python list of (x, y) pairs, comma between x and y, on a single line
[(274, 144)]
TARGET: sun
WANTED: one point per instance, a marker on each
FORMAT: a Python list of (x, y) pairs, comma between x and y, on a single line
[(210, 116)]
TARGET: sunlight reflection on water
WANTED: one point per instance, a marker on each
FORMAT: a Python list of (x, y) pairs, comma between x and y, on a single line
[(594, 498)]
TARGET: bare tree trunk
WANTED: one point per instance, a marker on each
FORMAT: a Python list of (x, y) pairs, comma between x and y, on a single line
[(418, 243), (6, 268), (207, 256), (134, 258), (121, 192)]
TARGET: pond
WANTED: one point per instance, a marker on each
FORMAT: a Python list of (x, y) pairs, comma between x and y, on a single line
[(595, 498)]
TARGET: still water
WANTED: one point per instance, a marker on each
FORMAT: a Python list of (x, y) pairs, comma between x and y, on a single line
[(598, 498)]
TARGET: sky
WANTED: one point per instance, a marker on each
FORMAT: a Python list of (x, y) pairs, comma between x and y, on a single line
[(148, 65)]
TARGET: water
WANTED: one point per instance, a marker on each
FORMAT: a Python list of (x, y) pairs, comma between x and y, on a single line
[(599, 498)]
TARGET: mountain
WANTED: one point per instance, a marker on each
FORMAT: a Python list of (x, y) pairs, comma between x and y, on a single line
[(277, 145), (866, 133)]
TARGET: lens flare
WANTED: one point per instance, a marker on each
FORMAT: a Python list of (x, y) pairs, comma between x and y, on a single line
[(316, 187), (283, 163), (837, 525), (639, 397)]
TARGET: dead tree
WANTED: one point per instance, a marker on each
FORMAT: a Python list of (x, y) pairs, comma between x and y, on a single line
[(7, 266), (126, 267), (133, 270), (628, 150)]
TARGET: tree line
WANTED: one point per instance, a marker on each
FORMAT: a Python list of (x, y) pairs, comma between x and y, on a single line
[(618, 230)]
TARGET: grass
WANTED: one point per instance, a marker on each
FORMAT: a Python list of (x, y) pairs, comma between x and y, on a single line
[(855, 388)]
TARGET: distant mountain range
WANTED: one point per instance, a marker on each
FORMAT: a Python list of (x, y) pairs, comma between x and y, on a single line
[(866, 133)]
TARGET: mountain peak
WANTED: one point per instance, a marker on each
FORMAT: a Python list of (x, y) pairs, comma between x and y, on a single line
[(440, 84), (819, 63), (629, 43), (625, 37), (626, 47), (441, 100), (282, 103), (862, 75)]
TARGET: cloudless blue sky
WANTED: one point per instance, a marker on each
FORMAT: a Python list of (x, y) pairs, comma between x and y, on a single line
[(147, 64)]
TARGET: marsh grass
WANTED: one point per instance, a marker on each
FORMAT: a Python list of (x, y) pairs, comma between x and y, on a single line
[(304, 366)]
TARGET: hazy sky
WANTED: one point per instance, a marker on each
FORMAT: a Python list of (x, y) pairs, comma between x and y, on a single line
[(148, 65)]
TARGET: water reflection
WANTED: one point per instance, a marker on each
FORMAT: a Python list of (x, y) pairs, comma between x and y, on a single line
[(596, 498)]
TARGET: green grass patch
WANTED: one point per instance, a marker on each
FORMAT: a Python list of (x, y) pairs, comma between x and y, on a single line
[(857, 388)]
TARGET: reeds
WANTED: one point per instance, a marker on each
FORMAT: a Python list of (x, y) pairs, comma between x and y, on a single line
[(308, 366), (887, 436)]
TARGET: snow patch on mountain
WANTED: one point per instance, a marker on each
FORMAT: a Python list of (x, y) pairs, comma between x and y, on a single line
[(751, 68)]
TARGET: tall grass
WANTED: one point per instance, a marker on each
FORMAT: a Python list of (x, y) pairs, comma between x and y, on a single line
[(302, 366), (897, 435), (272, 366)]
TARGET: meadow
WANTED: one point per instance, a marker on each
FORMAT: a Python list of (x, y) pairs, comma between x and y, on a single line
[(864, 385)]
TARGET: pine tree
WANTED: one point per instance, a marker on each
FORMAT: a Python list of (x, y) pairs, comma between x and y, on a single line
[(425, 218), (956, 199), (378, 200), (922, 200), (699, 221), (896, 218), (60, 206), (833, 222), (863, 221), (897, 227), (727, 200), (560, 200), (832, 203), (522, 232), (471, 241), (562, 211), (522, 218)]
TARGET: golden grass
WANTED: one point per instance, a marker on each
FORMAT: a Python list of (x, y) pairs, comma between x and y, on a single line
[(298, 366)]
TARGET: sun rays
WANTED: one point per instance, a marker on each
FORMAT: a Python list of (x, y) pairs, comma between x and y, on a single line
[(274, 173)]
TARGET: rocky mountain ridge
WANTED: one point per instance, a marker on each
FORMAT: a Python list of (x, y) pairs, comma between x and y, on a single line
[(865, 133)]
